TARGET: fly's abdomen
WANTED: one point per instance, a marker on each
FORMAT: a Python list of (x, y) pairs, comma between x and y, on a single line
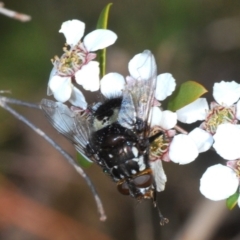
[(118, 151)]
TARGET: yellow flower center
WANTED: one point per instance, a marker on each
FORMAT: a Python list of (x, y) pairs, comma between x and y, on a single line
[(70, 62), (237, 169), (160, 145), (219, 115)]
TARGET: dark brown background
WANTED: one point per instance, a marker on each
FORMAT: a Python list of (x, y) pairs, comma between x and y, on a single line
[(41, 196)]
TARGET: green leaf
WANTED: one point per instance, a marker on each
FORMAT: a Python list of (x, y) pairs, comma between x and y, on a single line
[(232, 201), (82, 161), (185, 94), (102, 24), (103, 18)]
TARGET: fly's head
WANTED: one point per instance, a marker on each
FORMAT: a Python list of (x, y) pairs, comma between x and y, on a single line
[(139, 185)]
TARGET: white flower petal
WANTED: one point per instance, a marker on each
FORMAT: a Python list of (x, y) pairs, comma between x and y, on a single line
[(49, 92), (226, 93), (52, 73), (168, 120), (142, 66), (238, 201), (238, 110), (218, 182), (112, 84), (88, 76), (159, 175), (73, 31), (99, 39), (194, 111), (156, 115), (227, 139), (182, 149), (77, 99), (165, 86), (202, 139), (61, 88)]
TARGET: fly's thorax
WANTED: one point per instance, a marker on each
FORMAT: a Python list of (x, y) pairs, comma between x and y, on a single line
[(103, 121), (106, 113)]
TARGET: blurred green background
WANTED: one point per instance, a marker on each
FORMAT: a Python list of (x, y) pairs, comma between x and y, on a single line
[(194, 40)]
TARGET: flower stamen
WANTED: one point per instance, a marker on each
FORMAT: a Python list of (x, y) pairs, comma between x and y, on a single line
[(160, 145), (219, 115), (237, 169), (235, 166), (71, 61)]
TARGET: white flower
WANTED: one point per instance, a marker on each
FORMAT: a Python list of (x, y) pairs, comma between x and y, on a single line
[(112, 85), (166, 84), (72, 94), (227, 139), (165, 119), (88, 76), (73, 31), (194, 111), (238, 110), (224, 93), (76, 63), (182, 149), (222, 120), (217, 115), (219, 182), (143, 67), (186, 148), (202, 139)]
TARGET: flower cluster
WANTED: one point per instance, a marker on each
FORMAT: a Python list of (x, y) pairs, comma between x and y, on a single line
[(219, 127), (221, 122), (76, 64)]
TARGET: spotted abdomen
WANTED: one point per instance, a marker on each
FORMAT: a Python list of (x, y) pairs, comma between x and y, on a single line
[(118, 151)]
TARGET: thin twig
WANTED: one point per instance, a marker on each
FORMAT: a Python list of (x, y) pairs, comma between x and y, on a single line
[(70, 160), (13, 14), (181, 130), (19, 102), (5, 91)]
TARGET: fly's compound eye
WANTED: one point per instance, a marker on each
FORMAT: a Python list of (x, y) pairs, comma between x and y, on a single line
[(123, 188), (142, 180)]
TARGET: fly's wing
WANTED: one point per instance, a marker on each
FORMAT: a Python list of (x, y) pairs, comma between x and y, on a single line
[(73, 126), (127, 112), (138, 98), (158, 174), (139, 93)]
